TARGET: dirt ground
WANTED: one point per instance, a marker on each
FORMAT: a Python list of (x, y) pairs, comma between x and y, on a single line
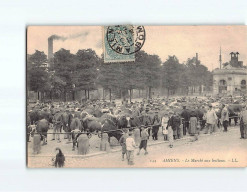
[(221, 149)]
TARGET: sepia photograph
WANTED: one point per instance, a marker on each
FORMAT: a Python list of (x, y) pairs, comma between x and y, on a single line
[(129, 96)]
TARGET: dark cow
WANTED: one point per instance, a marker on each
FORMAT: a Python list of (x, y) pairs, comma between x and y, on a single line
[(76, 124), (129, 121), (123, 122), (110, 128), (42, 128), (75, 127), (234, 110), (45, 114), (91, 124), (110, 117), (34, 116)]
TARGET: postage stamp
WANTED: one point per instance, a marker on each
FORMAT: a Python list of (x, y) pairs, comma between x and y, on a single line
[(121, 42)]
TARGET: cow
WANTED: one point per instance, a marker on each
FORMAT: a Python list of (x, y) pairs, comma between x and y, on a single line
[(110, 128), (234, 110), (91, 124), (34, 116), (42, 127)]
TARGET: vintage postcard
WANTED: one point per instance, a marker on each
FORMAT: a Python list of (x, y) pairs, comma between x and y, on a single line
[(129, 96)]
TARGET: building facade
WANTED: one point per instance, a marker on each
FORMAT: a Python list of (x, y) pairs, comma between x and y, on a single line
[(231, 78)]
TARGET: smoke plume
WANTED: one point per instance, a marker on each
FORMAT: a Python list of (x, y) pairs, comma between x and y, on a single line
[(63, 38)]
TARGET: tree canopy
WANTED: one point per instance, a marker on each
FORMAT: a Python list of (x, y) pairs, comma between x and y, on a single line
[(86, 71)]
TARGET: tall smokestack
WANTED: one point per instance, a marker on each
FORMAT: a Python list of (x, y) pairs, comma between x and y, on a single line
[(196, 58), (50, 48)]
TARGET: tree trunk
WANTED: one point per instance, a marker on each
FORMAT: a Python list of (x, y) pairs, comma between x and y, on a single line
[(149, 92), (88, 95), (103, 94), (110, 94), (168, 93), (130, 95), (41, 96), (73, 95), (85, 93)]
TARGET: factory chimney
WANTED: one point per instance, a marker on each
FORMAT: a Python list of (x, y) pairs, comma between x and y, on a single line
[(50, 49), (197, 62)]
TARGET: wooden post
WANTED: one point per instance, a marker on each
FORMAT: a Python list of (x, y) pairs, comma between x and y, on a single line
[(36, 143), (83, 144), (104, 144)]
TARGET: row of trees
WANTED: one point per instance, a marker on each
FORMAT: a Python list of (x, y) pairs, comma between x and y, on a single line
[(86, 71)]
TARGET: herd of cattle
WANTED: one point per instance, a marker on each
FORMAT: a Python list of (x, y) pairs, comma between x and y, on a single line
[(102, 116)]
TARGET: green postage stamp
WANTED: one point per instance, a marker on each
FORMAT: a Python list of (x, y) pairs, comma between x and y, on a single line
[(121, 42)]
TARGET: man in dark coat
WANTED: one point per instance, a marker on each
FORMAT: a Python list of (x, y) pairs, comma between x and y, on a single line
[(156, 124), (175, 123), (186, 117)]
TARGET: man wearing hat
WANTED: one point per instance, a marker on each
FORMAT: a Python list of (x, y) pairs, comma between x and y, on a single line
[(122, 142), (130, 147), (136, 111), (185, 117), (146, 119), (141, 108), (144, 140), (211, 119), (156, 124), (224, 117), (243, 123)]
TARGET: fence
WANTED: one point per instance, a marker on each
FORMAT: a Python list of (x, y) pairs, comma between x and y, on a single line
[(94, 140)]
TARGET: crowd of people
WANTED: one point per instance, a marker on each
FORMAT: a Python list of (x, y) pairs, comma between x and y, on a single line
[(175, 117)]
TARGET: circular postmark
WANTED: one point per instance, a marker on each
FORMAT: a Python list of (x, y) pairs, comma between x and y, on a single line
[(126, 39)]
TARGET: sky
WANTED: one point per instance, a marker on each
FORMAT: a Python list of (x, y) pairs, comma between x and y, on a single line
[(182, 41)]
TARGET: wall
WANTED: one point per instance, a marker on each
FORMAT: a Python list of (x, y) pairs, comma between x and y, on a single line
[(233, 78)]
